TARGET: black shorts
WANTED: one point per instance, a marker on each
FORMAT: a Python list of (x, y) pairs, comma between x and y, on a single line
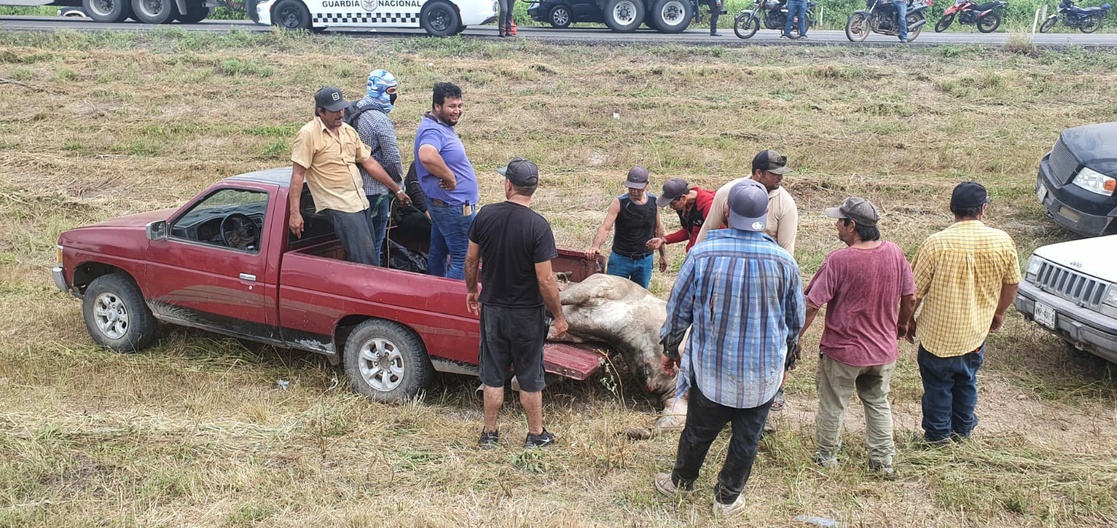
[(512, 337)]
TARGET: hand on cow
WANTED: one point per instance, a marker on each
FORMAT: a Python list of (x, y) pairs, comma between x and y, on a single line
[(472, 304), (670, 365)]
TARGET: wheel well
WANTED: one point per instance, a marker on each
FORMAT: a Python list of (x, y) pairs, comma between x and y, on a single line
[(346, 325), (87, 272)]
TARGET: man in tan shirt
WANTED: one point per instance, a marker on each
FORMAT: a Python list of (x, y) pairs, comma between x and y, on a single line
[(768, 168), (324, 155)]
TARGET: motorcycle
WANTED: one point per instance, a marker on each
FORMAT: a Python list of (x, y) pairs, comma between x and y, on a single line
[(1087, 19), (879, 16), (747, 22), (987, 16)]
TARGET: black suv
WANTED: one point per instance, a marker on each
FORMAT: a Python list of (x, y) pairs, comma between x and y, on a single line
[(1077, 180)]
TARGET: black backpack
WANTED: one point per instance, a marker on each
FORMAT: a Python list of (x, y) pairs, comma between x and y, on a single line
[(352, 115)]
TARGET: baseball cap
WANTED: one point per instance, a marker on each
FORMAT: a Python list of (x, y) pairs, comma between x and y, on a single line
[(770, 161), (331, 99), (672, 189), (521, 172), (637, 178), (857, 209), (969, 194), (748, 206)]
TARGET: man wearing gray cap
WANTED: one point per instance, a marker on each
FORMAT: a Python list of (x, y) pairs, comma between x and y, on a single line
[(637, 219), (323, 155), (966, 276), (740, 296), (869, 295), (516, 245)]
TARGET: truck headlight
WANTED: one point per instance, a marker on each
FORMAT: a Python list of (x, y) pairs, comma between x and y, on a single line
[(1034, 263), (1095, 182), (1110, 296)]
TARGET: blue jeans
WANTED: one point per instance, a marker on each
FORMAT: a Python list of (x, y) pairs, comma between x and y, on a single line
[(638, 270), (449, 239), (949, 393), (378, 210), (902, 17), (796, 8), (355, 232)]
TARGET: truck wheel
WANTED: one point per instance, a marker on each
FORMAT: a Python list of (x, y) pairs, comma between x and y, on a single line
[(291, 14), (116, 315), (671, 16), (386, 361), (624, 15), (154, 11), (439, 19), (113, 11), (196, 11), (560, 16)]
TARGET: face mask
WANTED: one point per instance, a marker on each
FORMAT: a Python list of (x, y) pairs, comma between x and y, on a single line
[(392, 99)]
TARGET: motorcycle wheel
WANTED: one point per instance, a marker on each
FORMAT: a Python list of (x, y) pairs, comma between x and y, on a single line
[(944, 23), (746, 27), (912, 19), (989, 23), (1048, 24), (1090, 24), (857, 28)]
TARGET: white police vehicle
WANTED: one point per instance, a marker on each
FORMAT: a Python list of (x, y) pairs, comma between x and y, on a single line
[(439, 18)]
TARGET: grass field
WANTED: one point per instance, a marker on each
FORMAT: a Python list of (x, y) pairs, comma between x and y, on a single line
[(196, 432)]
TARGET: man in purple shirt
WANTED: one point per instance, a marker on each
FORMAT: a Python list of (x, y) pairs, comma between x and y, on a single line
[(869, 294), (448, 180)]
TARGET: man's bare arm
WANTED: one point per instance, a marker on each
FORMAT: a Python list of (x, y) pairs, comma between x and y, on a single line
[(1008, 293), (378, 173), (294, 199), (472, 259), (606, 226), (549, 289), (812, 311), (907, 309)]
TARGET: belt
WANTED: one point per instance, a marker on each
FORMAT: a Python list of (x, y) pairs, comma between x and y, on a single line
[(440, 203), (633, 256)]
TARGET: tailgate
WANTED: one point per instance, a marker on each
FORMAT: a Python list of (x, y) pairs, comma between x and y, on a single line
[(574, 361)]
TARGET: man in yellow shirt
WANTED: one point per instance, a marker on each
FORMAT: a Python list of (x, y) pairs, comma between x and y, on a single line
[(966, 276), (324, 155)]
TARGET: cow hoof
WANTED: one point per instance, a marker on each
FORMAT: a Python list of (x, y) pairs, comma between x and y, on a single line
[(636, 433)]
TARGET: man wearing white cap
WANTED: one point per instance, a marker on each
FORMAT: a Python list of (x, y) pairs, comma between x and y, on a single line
[(869, 294), (739, 294)]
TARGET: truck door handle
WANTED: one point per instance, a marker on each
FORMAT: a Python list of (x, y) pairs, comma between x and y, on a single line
[(247, 277)]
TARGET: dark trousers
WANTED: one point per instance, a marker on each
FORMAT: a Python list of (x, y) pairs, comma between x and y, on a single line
[(505, 18), (355, 232), (379, 206), (704, 421), (949, 393), (715, 11)]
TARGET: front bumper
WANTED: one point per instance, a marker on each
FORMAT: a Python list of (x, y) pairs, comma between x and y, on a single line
[(60, 279), (1085, 329), (1065, 205)]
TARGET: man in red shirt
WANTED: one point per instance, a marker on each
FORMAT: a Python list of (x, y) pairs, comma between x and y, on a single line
[(869, 294), (691, 203)]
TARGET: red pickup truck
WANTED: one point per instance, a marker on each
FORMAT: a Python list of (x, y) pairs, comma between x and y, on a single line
[(226, 262)]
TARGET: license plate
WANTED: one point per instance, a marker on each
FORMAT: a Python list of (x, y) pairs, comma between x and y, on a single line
[(1041, 192), (1045, 315)]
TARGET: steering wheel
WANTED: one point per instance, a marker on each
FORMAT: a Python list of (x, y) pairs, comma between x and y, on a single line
[(240, 232)]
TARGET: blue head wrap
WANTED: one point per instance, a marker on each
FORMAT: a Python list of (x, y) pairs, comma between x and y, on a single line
[(378, 83)]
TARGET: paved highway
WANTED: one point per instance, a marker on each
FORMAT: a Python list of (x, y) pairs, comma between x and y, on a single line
[(597, 35)]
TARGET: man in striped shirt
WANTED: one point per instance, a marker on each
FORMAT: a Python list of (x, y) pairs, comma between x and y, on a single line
[(740, 294)]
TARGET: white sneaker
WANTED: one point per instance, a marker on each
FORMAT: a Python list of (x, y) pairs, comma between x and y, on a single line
[(729, 510), (667, 488)]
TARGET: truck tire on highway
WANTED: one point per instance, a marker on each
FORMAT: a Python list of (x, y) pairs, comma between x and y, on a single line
[(154, 11), (116, 315), (196, 11), (561, 16), (291, 14), (385, 361), (113, 11), (439, 19), (671, 16), (624, 15)]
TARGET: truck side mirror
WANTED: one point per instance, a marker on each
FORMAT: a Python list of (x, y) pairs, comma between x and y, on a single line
[(157, 230)]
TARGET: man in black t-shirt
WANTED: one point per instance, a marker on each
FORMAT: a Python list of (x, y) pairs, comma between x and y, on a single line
[(516, 245)]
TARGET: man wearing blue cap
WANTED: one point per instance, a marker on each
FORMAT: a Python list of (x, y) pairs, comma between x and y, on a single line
[(739, 294)]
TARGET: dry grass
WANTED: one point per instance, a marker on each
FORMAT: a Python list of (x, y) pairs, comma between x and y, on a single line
[(196, 433)]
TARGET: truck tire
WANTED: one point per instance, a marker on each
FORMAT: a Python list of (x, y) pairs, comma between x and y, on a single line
[(291, 14), (671, 16), (154, 11), (439, 19), (386, 362), (116, 315), (113, 11), (624, 16), (561, 16), (196, 11)]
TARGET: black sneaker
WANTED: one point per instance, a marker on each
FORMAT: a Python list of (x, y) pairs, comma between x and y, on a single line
[(543, 439), (489, 440)]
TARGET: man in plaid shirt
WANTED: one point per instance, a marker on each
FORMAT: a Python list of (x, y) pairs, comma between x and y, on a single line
[(966, 276), (740, 294)]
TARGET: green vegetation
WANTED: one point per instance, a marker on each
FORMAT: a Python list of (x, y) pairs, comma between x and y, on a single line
[(196, 431)]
